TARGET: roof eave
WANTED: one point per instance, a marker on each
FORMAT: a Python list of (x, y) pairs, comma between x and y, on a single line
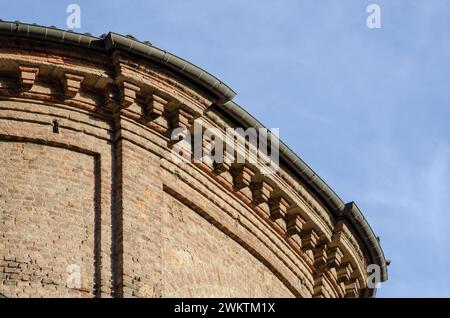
[(220, 91)]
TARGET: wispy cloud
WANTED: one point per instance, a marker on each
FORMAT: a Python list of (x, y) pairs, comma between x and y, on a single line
[(408, 201)]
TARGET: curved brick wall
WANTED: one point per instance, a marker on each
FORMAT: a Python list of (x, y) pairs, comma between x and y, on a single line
[(213, 266), (87, 180)]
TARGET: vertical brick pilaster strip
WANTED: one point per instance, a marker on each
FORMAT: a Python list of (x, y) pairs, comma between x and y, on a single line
[(117, 211), (98, 228)]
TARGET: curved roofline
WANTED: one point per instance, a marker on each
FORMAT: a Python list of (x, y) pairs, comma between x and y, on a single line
[(116, 41), (349, 211)]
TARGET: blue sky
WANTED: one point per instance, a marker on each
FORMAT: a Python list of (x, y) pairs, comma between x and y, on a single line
[(368, 109)]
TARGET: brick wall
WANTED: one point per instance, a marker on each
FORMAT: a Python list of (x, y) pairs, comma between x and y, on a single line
[(201, 260), (56, 211), (47, 213), (142, 210), (55, 194), (99, 190)]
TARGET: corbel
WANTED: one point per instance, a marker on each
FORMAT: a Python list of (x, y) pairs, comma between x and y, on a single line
[(128, 93), (221, 167), (72, 84), (352, 288), (344, 272), (294, 224), (319, 286), (335, 256), (181, 118), (242, 176), (279, 207), (27, 76), (338, 232), (320, 256), (182, 140), (261, 191), (310, 239), (227, 160), (154, 106)]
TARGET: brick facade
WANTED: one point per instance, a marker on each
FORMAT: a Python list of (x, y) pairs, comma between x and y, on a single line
[(87, 179)]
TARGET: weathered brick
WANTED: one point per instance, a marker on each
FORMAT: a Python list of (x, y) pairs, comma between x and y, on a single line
[(88, 184)]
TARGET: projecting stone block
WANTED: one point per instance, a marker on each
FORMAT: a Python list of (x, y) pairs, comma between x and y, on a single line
[(72, 84), (334, 257), (344, 272), (181, 118), (309, 240), (294, 224), (154, 106), (242, 177), (128, 93), (27, 76), (279, 207), (261, 191)]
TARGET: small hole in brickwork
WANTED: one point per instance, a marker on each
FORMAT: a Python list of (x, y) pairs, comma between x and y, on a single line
[(56, 126)]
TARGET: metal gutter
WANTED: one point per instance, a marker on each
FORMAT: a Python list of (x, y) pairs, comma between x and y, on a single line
[(115, 41), (175, 63), (50, 34)]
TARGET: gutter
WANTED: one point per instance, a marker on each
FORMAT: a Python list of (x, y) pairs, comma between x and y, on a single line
[(198, 75), (112, 41)]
